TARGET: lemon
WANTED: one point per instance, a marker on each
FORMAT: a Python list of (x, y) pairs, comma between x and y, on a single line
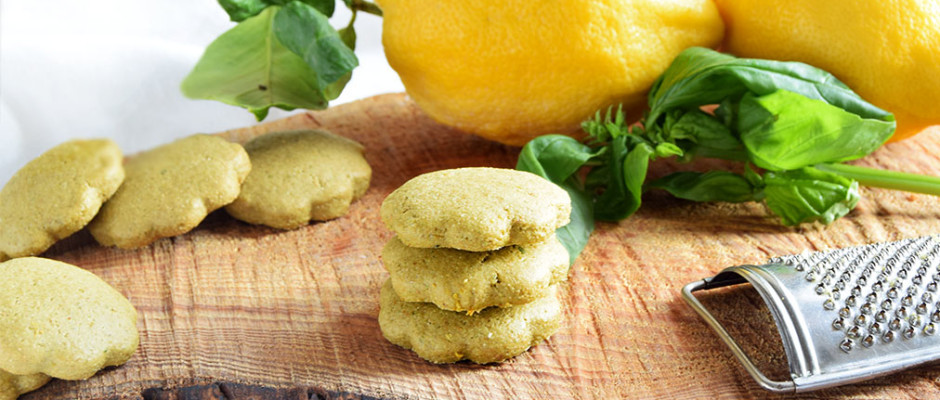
[(511, 70), (888, 51)]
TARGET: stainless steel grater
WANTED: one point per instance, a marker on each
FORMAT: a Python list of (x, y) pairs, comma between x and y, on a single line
[(843, 315)]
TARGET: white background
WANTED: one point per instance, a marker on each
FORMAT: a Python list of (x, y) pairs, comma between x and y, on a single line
[(112, 68)]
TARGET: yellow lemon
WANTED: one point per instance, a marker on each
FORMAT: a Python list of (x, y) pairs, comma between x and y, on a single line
[(511, 70), (888, 51)]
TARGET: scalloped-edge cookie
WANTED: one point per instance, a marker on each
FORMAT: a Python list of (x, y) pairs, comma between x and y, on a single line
[(169, 190), (492, 335), (12, 386), (299, 176), (475, 209), (458, 280), (56, 195), (60, 320)]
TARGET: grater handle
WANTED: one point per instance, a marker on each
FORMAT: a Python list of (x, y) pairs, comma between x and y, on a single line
[(766, 383)]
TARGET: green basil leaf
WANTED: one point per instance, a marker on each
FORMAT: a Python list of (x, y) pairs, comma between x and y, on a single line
[(575, 235), (248, 67), (700, 76), (558, 158), (628, 159), (239, 10), (706, 136), (808, 194), (554, 157), (307, 32), (708, 186), (784, 130), (348, 35)]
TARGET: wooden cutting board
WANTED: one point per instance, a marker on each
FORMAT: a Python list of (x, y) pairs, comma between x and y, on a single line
[(232, 310)]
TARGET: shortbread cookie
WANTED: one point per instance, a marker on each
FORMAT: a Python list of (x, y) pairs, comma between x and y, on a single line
[(169, 190), (56, 195), (466, 281), (60, 320), (476, 209), (300, 176), (12, 386), (492, 335)]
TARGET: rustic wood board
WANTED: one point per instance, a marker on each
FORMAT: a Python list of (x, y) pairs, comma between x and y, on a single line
[(238, 311)]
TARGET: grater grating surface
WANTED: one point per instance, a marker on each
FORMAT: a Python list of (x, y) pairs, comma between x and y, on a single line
[(844, 315)]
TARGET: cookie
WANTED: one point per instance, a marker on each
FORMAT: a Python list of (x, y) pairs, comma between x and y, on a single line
[(492, 335), (60, 320), (466, 281), (300, 176), (12, 386), (475, 209), (169, 190), (56, 195)]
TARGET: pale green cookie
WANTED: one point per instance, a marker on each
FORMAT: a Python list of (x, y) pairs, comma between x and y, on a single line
[(492, 335), (300, 176), (475, 209), (466, 281), (56, 195), (60, 320), (169, 190), (12, 386)]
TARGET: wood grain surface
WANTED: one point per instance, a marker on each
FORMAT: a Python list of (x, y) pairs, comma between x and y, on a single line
[(231, 310)]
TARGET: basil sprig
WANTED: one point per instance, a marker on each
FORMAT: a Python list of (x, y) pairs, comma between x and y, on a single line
[(282, 54), (791, 124)]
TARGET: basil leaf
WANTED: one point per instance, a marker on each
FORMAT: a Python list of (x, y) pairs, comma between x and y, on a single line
[(307, 32), (709, 186), (558, 158), (248, 67), (704, 136), (784, 130), (240, 10), (554, 157), (700, 76), (348, 35), (808, 194), (628, 159)]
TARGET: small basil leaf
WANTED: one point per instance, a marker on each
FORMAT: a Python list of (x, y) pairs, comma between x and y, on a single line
[(558, 158), (709, 186), (808, 194), (700, 76), (575, 235), (784, 130), (248, 67), (307, 32), (348, 35), (239, 10), (554, 157), (628, 160), (706, 136)]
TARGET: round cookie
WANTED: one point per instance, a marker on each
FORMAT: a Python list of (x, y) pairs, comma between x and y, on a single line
[(169, 190), (492, 335), (56, 195), (60, 320), (300, 176), (12, 386), (476, 209), (459, 280)]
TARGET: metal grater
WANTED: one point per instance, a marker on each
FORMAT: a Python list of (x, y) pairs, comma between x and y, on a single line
[(843, 315)]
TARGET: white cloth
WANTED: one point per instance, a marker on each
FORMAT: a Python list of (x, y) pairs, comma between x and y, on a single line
[(112, 68)]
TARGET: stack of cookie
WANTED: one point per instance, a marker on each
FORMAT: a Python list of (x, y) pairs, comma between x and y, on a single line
[(474, 264)]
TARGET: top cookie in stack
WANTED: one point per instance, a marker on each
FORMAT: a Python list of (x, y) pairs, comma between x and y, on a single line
[(477, 247), (476, 209)]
